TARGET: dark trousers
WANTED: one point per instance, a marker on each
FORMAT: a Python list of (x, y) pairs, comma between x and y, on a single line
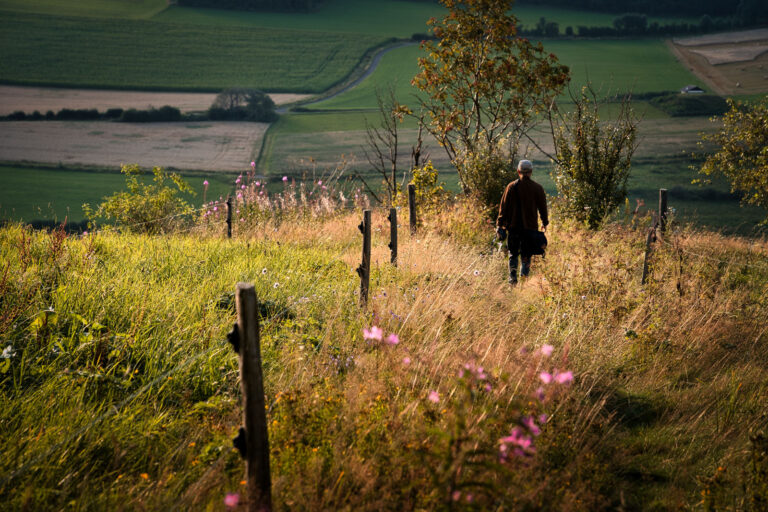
[(515, 246)]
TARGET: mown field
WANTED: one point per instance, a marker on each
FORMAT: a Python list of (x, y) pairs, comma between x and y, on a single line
[(120, 391)]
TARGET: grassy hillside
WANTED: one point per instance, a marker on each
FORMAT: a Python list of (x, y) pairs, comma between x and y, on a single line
[(120, 391), (129, 54)]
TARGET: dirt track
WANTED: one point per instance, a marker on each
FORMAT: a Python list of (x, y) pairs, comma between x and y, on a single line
[(29, 99), (220, 146)]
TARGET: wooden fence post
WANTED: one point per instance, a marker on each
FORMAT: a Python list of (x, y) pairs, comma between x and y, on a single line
[(229, 217), (252, 441), (412, 206), (393, 235), (662, 209), (648, 241), (364, 270)]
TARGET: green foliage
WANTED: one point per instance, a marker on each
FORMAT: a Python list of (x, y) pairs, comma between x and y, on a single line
[(139, 54), (255, 5), (742, 151), (488, 170), (242, 104), (593, 159), (679, 105), (430, 192), (482, 81), (145, 208)]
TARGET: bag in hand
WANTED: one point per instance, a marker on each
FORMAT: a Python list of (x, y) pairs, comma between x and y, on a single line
[(534, 242)]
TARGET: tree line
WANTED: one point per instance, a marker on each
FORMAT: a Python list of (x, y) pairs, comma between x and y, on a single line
[(745, 10), (255, 5)]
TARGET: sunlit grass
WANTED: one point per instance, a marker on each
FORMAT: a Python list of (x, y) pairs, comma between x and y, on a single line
[(121, 391)]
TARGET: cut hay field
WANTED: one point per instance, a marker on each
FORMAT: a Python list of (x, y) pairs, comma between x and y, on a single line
[(138, 54), (219, 146), (42, 99), (731, 63)]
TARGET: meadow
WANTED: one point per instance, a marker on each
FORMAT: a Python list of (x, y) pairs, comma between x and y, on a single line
[(120, 391)]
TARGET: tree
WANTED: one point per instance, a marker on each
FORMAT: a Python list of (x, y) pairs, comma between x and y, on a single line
[(742, 151), (481, 81), (592, 158), (382, 141), (239, 103)]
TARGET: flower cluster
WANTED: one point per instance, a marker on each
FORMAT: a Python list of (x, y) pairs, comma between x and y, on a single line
[(519, 443), (475, 375), (376, 334)]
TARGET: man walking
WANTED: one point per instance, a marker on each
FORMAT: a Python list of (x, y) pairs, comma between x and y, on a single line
[(522, 203)]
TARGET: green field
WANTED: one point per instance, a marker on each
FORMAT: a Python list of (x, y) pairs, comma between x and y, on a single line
[(130, 54), (612, 66), (55, 194), (91, 8)]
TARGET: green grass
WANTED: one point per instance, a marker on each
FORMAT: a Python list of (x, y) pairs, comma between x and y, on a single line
[(30, 194), (89, 8), (139, 54), (119, 390), (390, 18), (612, 66)]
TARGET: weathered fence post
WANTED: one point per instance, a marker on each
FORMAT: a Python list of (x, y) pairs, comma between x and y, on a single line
[(364, 270), (662, 209), (229, 217), (393, 235), (412, 206), (252, 441), (648, 241)]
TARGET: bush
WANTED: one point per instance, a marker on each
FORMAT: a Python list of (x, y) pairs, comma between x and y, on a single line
[(683, 105), (145, 208), (165, 114), (18, 115), (114, 113), (593, 160), (487, 171)]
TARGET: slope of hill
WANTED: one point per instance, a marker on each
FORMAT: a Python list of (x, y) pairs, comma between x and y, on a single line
[(119, 390)]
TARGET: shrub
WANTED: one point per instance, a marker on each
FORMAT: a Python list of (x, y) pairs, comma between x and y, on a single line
[(18, 115), (593, 159), (240, 104), (682, 105), (145, 208), (114, 113), (488, 170)]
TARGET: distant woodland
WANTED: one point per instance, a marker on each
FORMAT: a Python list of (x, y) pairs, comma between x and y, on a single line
[(255, 5)]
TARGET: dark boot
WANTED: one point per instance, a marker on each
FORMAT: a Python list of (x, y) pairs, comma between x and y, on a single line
[(513, 269), (526, 266)]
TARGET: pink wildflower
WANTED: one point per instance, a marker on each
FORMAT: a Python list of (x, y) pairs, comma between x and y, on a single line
[(546, 350), (258, 183), (433, 397), (285, 178), (393, 339), (242, 187), (545, 377), (543, 418), (564, 378), (319, 182), (232, 499), (253, 163), (205, 183), (406, 360), (531, 425), (456, 495), (375, 333)]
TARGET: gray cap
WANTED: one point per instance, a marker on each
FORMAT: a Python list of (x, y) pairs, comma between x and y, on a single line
[(525, 165)]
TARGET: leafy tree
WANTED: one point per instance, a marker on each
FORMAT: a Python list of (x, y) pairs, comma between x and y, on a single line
[(742, 154), (243, 104), (145, 208), (592, 158), (482, 82)]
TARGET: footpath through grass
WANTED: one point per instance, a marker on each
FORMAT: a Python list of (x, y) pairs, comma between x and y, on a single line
[(120, 391)]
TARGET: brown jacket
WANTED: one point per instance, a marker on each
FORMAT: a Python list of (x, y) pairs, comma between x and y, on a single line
[(533, 201)]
